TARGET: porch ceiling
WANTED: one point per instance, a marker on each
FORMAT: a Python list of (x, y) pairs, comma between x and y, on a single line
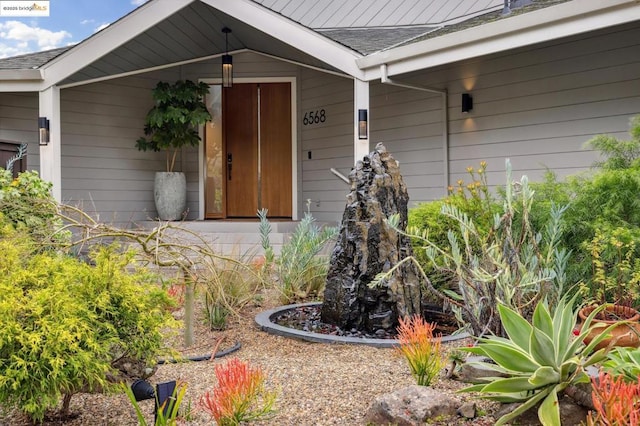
[(193, 32)]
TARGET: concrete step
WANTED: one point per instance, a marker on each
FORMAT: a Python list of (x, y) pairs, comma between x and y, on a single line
[(233, 238)]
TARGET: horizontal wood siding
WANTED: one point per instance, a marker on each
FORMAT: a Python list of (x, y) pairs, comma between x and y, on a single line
[(329, 143), (101, 168), (245, 65), (409, 124), (536, 106), (19, 123)]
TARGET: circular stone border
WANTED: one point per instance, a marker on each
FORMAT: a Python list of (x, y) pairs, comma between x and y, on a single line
[(264, 321)]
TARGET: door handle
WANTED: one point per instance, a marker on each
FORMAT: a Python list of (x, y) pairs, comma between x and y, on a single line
[(229, 165)]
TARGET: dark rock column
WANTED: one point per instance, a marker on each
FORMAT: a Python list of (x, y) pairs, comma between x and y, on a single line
[(367, 246)]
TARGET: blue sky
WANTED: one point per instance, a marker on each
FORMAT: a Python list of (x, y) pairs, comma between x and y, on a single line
[(69, 22)]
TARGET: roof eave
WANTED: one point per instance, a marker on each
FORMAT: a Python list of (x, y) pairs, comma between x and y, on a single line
[(292, 33), (155, 11), (109, 38), (21, 75), (546, 24)]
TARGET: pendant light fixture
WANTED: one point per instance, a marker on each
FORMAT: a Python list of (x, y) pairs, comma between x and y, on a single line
[(227, 61)]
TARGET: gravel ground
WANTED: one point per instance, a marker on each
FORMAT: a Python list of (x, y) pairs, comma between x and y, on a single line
[(318, 384)]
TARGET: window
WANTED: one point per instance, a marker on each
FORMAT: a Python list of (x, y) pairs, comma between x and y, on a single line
[(8, 150)]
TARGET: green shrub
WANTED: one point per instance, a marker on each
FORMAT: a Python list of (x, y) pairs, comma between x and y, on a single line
[(473, 199), (549, 192), (615, 274), (604, 199), (27, 204), (63, 322), (513, 263), (618, 154)]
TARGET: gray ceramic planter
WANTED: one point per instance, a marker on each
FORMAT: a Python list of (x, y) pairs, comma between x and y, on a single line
[(170, 195)]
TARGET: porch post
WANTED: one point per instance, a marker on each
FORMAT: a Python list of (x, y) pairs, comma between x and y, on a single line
[(51, 153), (360, 102)]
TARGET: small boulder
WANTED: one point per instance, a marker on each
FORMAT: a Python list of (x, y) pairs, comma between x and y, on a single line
[(410, 406), (473, 372), (468, 410)]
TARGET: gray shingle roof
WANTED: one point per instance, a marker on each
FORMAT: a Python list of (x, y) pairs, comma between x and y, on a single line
[(31, 60), (369, 40), (325, 14), (364, 40), (486, 18)]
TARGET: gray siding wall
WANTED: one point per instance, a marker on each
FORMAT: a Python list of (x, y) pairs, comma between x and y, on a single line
[(409, 124), (328, 143), (536, 106), (19, 123), (101, 168)]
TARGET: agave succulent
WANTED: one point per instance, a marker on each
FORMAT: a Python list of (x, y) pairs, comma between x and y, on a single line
[(539, 359), (623, 362)]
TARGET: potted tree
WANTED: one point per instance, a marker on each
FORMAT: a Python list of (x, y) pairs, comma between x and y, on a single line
[(616, 285), (171, 124)]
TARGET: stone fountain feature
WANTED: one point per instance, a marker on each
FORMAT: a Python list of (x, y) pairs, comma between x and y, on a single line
[(366, 245)]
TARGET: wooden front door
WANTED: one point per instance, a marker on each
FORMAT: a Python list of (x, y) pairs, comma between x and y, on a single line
[(256, 133)]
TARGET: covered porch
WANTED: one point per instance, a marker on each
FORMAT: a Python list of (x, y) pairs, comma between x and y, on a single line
[(93, 98)]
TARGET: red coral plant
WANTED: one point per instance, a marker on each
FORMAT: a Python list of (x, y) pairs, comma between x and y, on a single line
[(240, 395), (616, 402), (420, 348)]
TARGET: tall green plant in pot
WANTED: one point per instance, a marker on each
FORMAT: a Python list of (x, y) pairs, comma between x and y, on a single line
[(169, 126)]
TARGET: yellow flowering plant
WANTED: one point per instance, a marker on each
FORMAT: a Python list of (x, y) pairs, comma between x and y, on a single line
[(615, 268)]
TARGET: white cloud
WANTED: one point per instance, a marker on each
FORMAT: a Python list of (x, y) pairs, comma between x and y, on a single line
[(101, 27), (138, 2), (20, 38), (87, 21)]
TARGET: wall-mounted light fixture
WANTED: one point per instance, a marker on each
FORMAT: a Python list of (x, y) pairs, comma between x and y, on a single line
[(363, 125), (227, 61), (467, 102), (43, 130)]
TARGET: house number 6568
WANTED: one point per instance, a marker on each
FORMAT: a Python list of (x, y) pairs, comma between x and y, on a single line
[(314, 117)]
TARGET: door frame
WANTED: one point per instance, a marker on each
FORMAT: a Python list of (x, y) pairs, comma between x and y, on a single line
[(294, 139)]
